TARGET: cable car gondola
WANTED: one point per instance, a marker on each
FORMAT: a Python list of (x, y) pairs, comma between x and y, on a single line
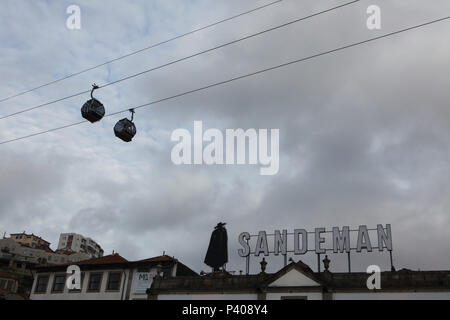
[(125, 129), (93, 110)]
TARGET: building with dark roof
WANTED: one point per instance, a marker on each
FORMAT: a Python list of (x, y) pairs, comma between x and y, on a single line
[(298, 281), (109, 277)]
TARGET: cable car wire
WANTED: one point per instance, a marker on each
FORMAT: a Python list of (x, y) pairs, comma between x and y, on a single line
[(141, 50), (185, 58), (242, 76)]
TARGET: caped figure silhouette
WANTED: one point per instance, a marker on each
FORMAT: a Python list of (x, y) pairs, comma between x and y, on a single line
[(217, 254)]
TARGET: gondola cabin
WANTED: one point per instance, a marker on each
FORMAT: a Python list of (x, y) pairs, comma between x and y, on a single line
[(93, 110), (125, 130)]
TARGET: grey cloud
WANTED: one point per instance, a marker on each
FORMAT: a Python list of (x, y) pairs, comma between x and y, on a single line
[(363, 133)]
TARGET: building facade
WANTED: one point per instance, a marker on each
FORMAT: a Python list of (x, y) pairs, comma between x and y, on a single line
[(298, 281), (29, 240), (13, 252), (78, 243), (107, 278), (8, 282)]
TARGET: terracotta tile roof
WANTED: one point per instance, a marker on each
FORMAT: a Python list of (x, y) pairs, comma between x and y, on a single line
[(113, 258), (304, 266), (157, 259), (103, 262), (110, 259), (28, 235), (45, 248)]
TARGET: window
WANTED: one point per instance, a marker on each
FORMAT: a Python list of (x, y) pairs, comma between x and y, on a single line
[(41, 285), (166, 271), (10, 284), (114, 281), (95, 282), (59, 282), (2, 284)]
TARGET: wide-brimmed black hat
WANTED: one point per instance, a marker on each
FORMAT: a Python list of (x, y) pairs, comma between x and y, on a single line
[(220, 225)]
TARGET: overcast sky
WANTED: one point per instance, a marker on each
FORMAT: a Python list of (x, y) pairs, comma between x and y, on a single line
[(364, 133)]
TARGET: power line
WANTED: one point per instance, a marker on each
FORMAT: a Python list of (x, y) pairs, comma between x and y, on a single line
[(241, 77), (185, 58), (141, 50)]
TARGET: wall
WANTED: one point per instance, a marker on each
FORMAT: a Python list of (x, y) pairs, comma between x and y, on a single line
[(66, 295), (9, 284), (218, 296), (129, 285), (77, 241), (392, 296), (134, 295), (29, 240), (308, 295), (294, 278)]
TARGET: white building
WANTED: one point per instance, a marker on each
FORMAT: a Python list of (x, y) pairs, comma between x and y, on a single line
[(13, 251), (298, 281), (78, 243), (107, 278)]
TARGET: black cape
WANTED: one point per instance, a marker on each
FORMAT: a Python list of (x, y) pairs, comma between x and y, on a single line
[(217, 254)]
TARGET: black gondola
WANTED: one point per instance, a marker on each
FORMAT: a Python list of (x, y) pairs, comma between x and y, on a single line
[(93, 110), (125, 129)]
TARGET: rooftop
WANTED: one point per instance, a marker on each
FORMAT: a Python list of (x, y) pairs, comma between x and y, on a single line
[(117, 261), (220, 282), (29, 235)]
